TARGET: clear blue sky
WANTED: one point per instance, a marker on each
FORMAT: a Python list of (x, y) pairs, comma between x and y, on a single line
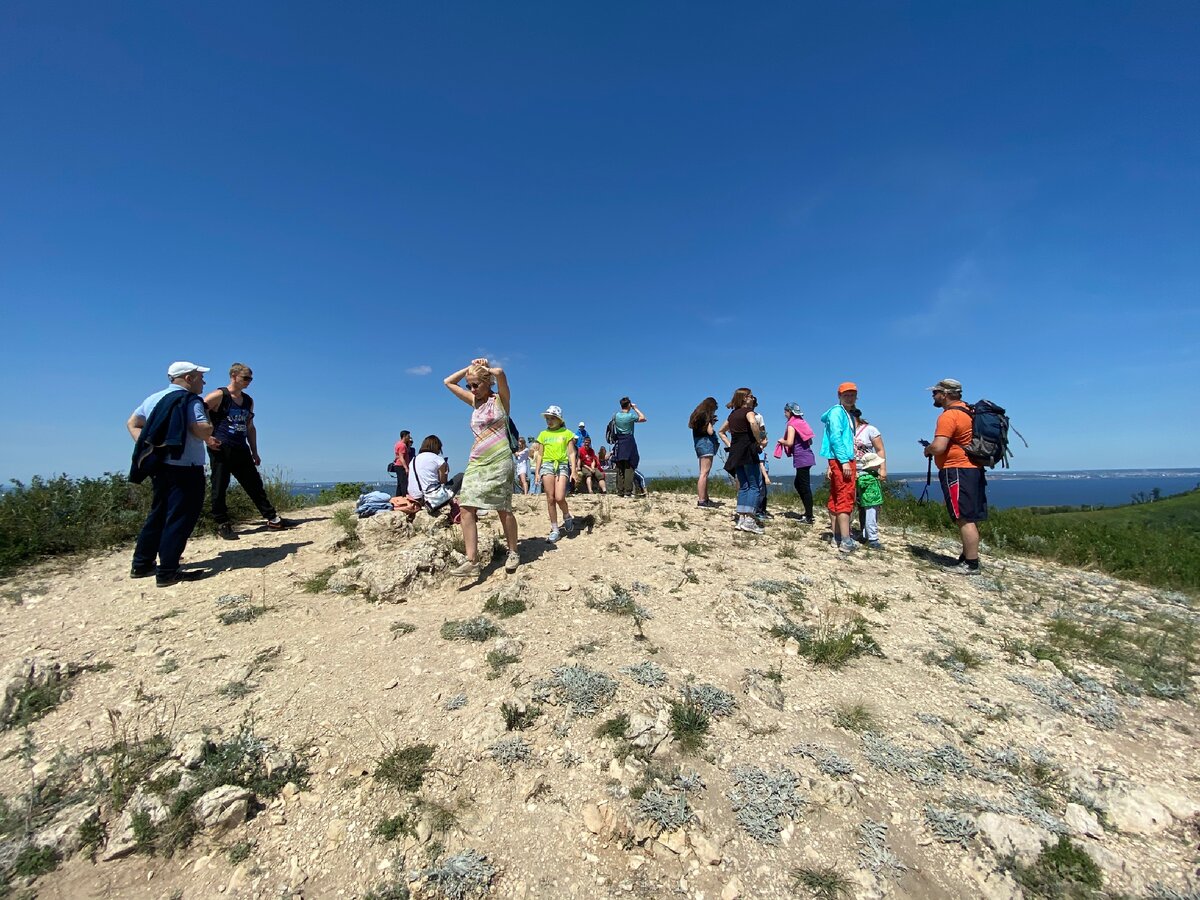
[(662, 200)]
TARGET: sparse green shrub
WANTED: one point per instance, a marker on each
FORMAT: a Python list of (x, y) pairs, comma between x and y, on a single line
[(345, 519), (343, 490), (822, 882), (498, 660), (239, 852), (399, 629), (504, 608), (1061, 871), (853, 717), (480, 628), (518, 718), (404, 768), (319, 583), (689, 725), (395, 827), (613, 728)]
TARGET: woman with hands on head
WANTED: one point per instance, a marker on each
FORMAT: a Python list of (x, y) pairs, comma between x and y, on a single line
[(488, 480)]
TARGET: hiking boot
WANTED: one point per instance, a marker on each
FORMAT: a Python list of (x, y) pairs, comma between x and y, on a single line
[(848, 546), (706, 504), (962, 567), (135, 572), (747, 523), (553, 538), (167, 579), (225, 530), (809, 520), (466, 569), (875, 545), (511, 562), (281, 525), (569, 525)]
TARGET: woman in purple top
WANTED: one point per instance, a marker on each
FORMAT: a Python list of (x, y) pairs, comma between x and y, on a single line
[(797, 443)]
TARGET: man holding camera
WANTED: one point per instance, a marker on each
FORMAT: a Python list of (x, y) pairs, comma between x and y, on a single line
[(964, 484)]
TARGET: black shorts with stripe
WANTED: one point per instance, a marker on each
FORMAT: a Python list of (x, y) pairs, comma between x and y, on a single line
[(965, 491)]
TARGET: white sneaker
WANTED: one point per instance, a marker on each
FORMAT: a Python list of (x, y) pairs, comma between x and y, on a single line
[(747, 523), (467, 570), (553, 536), (511, 562), (569, 525)]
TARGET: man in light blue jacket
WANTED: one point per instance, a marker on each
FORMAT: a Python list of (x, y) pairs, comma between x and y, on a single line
[(837, 445)]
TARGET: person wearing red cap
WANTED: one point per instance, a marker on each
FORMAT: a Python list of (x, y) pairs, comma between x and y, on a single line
[(837, 445)]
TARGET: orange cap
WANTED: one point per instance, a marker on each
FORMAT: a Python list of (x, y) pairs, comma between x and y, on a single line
[(847, 386)]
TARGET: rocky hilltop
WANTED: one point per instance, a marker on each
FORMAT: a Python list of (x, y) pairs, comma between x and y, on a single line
[(655, 707)]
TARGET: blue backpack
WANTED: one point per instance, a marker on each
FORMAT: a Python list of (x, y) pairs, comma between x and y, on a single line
[(989, 435)]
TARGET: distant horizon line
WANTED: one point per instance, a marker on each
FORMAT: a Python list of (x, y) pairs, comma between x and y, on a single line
[(993, 473)]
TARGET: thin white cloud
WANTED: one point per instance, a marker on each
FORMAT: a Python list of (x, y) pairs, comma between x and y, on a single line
[(960, 291), (419, 370)]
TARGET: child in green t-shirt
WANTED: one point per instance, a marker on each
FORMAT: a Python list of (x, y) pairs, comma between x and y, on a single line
[(870, 498), (555, 457)]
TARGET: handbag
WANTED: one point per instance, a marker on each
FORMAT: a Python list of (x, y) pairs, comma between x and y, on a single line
[(393, 468), (435, 498)]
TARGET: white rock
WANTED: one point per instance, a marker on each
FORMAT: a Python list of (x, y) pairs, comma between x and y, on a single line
[(706, 849), (593, 821), (1012, 837), (1136, 812), (62, 834), (122, 841), (1177, 805), (732, 889), (1082, 821), (223, 807), (190, 749)]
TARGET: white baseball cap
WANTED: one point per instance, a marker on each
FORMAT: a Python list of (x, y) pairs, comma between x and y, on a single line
[(555, 411), (179, 369), (583, 424)]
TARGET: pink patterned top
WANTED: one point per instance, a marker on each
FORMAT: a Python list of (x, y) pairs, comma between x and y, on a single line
[(490, 421)]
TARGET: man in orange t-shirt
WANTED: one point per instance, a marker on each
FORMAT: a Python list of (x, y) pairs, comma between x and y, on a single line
[(964, 484)]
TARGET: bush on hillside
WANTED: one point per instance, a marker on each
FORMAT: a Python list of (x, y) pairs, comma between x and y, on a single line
[(61, 515)]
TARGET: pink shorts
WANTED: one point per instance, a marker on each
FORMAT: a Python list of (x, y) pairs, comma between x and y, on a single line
[(841, 489)]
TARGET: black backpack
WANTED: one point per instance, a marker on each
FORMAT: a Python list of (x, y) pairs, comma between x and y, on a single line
[(513, 435), (610, 433), (989, 435)]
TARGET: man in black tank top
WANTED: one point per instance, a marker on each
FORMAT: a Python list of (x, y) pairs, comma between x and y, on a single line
[(233, 451)]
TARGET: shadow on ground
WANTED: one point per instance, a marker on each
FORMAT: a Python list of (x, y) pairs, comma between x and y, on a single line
[(248, 557)]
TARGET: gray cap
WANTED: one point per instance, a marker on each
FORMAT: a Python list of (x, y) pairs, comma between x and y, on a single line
[(947, 384)]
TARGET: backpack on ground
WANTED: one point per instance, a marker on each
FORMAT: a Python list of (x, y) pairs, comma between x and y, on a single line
[(989, 435), (610, 433)]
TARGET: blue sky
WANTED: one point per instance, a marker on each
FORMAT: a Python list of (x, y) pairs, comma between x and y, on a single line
[(662, 200)]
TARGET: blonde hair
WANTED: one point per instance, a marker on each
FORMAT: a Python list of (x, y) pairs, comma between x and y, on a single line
[(479, 374)]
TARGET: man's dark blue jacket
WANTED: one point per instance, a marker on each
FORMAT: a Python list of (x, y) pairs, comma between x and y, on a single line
[(163, 435)]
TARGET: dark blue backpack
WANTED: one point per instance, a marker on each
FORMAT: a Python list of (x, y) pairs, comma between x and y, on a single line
[(989, 435)]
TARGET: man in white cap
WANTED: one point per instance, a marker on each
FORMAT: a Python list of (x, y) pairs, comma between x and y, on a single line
[(168, 430), (964, 484)]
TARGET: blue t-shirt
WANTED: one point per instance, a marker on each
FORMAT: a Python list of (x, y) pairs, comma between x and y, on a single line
[(625, 422), (193, 447)]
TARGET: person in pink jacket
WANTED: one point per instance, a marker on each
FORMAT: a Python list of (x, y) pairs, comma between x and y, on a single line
[(797, 443)]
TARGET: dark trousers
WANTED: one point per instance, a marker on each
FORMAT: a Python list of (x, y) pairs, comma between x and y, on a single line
[(401, 482), (238, 462), (177, 501), (804, 489), (624, 478)]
